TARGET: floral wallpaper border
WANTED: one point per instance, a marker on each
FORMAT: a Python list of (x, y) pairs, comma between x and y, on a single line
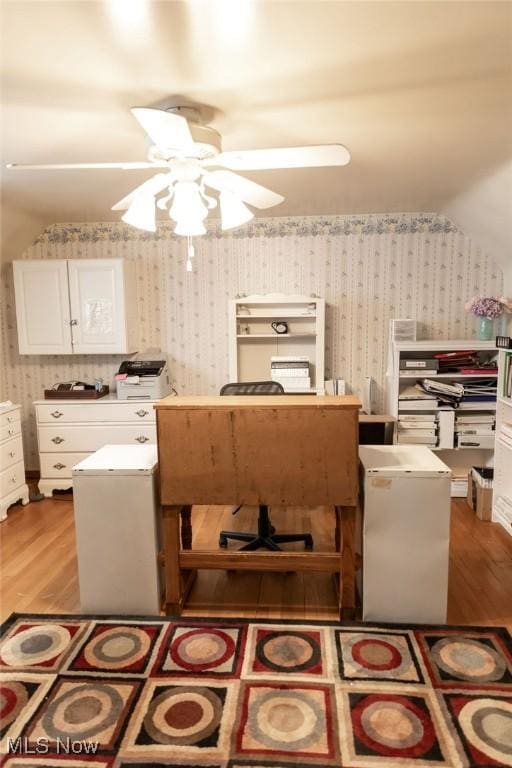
[(305, 226)]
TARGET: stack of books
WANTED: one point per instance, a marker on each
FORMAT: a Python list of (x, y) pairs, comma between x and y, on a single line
[(411, 398), (419, 366), (449, 393), (291, 371), (474, 430), (482, 391), (417, 429)]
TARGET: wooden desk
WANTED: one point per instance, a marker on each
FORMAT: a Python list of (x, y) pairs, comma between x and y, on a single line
[(283, 450)]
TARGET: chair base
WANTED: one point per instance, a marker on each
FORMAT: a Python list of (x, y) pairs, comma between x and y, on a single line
[(266, 538)]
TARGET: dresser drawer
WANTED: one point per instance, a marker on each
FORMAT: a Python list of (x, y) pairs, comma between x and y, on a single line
[(12, 478), (88, 438), (59, 464), (67, 413), (10, 418), (10, 430), (11, 452)]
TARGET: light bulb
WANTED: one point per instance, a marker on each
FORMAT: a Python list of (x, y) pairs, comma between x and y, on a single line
[(187, 203), (233, 212), (141, 213)]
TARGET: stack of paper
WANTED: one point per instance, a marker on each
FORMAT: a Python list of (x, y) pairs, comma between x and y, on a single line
[(417, 429), (480, 391), (291, 371), (411, 398)]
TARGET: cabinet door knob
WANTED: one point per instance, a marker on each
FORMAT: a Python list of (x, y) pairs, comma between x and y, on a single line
[(56, 414), (57, 440), (142, 413), (59, 466), (142, 439), (73, 322)]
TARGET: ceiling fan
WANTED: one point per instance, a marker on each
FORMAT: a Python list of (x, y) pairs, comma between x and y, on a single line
[(188, 157)]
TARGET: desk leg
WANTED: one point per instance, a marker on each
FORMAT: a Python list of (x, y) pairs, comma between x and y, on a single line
[(173, 591), (186, 527), (347, 519)]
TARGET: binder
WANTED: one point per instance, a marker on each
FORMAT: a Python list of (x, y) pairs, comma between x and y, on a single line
[(446, 422)]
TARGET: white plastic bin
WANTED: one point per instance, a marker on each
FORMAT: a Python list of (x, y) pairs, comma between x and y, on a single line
[(118, 530), (405, 534)]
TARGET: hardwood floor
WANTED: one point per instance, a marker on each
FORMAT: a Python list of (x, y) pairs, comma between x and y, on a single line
[(39, 568)]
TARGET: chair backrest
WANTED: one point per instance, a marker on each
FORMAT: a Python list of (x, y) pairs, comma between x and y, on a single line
[(253, 388)]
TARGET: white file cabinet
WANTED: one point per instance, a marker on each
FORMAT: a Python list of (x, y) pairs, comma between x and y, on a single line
[(12, 467), (406, 534), (69, 431), (117, 518)]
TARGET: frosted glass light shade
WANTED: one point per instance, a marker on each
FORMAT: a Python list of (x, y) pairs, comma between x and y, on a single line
[(187, 204), (141, 213), (233, 212), (190, 228)]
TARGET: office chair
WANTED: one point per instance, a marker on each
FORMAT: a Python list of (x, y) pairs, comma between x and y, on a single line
[(266, 537)]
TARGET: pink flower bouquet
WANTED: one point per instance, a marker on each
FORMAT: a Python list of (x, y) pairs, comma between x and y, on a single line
[(482, 306)]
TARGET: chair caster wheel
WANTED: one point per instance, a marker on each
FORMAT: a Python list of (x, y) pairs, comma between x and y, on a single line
[(223, 542)]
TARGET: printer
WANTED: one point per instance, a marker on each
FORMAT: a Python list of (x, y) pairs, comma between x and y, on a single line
[(143, 380)]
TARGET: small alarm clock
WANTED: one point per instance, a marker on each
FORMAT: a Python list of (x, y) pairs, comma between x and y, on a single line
[(280, 327)]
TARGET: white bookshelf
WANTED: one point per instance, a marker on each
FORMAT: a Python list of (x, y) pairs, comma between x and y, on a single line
[(252, 341), (502, 485), (459, 459)]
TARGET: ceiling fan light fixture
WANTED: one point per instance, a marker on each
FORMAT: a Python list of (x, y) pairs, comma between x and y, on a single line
[(190, 227), (233, 212), (141, 213), (187, 203)]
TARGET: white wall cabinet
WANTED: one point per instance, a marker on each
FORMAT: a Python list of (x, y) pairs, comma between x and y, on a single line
[(82, 306)]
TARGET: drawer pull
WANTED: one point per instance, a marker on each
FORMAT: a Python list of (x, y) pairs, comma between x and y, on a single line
[(59, 466), (142, 413), (12, 454), (142, 439), (56, 414), (10, 419), (10, 432), (57, 440), (13, 479)]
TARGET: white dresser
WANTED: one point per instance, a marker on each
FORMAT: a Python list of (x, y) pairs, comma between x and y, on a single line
[(69, 430), (12, 468)]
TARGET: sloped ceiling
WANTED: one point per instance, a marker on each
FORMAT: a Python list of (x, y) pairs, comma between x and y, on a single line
[(420, 92)]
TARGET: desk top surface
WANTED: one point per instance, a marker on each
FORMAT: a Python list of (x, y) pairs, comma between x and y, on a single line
[(348, 402)]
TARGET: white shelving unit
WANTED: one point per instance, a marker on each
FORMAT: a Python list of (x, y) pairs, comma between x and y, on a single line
[(503, 452), (457, 458), (252, 341)]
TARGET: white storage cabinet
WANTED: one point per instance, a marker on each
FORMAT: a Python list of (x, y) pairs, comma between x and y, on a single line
[(68, 431), (12, 468), (75, 306), (252, 340), (405, 534), (118, 538)]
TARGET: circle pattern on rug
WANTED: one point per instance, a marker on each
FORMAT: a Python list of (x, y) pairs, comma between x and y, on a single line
[(13, 697), (183, 716), (487, 725), (393, 726), (468, 659), (201, 649), (117, 648), (288, 651), (35, 645), (83, 711), (376, 654), (286, 720)]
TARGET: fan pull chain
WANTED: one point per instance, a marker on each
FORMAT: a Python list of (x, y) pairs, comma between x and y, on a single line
[(190, 254)]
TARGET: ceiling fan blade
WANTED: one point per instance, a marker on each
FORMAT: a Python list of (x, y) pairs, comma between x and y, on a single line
[(246, 190), (128, 166), (165, 129), (151, 186), (284, 157)]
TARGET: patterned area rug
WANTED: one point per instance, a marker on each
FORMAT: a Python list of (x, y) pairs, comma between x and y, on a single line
[(104, 692)]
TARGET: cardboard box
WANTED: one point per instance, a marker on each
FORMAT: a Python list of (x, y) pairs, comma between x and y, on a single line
[(479, 499)]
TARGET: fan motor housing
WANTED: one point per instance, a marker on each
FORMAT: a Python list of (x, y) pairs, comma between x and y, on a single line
[(207, 141)]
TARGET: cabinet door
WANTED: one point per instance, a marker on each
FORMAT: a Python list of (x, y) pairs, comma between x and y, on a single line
[(42, 307), (96, 290)]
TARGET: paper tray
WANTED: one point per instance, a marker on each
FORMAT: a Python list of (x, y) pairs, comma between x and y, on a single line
[(75, 394)]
